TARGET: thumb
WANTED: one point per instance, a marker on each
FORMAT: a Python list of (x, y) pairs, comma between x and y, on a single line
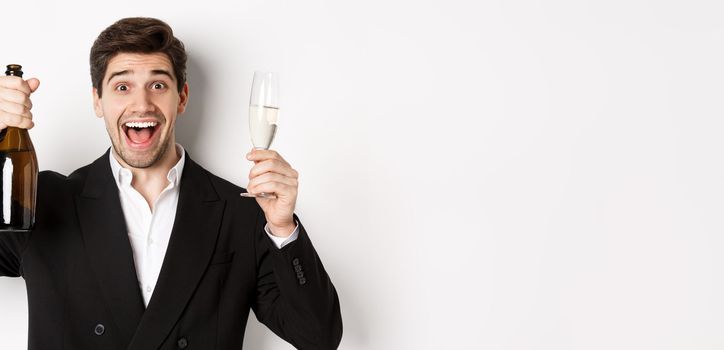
[(33, 83)]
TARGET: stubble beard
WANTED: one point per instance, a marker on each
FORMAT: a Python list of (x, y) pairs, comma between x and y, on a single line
[(144, 162)]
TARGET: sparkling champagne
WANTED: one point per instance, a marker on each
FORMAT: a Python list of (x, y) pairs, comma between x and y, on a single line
[(18, 175), (263, 125)]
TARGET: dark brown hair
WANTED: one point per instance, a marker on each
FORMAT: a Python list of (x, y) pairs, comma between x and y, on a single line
[(136, 35)]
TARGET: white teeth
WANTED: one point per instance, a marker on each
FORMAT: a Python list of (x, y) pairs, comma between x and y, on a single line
[(141, 124)]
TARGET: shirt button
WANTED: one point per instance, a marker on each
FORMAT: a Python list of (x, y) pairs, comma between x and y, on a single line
[(150, 241), (148, 289), (100, 329), (183, 343)]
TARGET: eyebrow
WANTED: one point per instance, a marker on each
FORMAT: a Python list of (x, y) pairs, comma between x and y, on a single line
[(153, 72)]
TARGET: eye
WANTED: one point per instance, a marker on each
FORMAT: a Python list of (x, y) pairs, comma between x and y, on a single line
[(158, 85), (122, 87)]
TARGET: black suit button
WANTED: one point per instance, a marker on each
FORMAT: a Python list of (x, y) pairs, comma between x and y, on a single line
[(183, 343), (302, 281), (100, 329), (298, 268), (300, 274), (295, 261)]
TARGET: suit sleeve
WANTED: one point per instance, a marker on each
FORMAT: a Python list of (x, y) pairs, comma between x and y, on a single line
[(295, 297), (12, 245)]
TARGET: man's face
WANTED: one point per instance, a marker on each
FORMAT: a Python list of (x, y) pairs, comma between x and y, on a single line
[(140, 104)]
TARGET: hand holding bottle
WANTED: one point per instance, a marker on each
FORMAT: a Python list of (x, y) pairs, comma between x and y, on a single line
[(18, 163), (15, 104)]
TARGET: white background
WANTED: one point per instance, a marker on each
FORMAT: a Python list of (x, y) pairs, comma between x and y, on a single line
[(475, 175)]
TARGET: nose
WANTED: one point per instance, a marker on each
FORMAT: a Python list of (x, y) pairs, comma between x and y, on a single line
[(142, 103)]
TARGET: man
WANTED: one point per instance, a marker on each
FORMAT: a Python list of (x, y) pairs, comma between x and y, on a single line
[(143, 248)]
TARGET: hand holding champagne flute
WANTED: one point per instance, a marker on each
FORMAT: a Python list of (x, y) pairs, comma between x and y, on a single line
[(263, 114)]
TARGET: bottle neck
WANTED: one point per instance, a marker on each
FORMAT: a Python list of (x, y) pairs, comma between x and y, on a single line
[(14, 139)]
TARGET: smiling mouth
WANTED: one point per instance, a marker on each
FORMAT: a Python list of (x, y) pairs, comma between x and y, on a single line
[(140, 133)]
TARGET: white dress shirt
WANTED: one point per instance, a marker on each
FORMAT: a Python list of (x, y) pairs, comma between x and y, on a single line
[(149, 231)]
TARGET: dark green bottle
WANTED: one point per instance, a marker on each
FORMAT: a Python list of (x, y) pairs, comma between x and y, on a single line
[(18, 175)]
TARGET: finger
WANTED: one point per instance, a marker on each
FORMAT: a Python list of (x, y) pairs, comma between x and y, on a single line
[(26, 124), (33, 84), (13, 95), (274, 166), (280, 189), (16, 83), (258, 155), (19, 121), (16, 96), (273, 177), (15, 108)]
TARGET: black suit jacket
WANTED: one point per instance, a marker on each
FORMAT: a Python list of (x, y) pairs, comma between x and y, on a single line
[(83, 292)]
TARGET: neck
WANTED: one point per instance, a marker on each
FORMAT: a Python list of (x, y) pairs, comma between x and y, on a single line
[(151, 181)]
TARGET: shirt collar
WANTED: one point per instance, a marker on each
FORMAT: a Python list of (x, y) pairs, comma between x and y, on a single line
[(124, 176)]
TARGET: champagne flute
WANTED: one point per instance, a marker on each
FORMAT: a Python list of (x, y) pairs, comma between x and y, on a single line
[(263, 113)]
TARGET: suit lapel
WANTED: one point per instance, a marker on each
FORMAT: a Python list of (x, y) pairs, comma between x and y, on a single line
[(108, 248), (192, 243)]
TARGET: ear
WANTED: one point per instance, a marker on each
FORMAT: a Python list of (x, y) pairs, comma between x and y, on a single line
[(97, 104), (183, 99)]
